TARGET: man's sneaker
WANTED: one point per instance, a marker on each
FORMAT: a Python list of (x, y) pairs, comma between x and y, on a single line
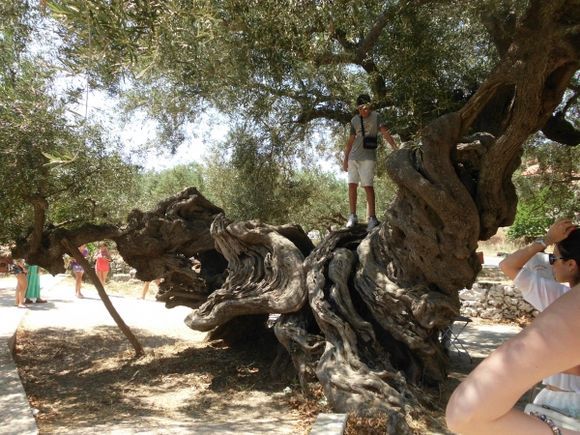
[(352, 221), (373, 222)]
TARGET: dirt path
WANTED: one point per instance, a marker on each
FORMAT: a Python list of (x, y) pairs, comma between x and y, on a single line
[(79, 373)]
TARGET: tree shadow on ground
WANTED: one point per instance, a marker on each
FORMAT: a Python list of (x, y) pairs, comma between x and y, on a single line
[(84, 379), (81, 378)]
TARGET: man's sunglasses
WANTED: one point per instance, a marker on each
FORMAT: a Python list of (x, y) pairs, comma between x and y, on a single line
[(552, 258)]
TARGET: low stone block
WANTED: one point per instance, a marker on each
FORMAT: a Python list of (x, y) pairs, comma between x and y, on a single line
[(329, 424)]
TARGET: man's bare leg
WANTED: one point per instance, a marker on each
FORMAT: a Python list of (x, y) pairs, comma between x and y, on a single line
[(352, 197), (370, 192)]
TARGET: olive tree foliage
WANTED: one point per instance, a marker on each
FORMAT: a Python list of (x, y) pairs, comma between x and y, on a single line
[(548, 188), (49, 164), (157, 185), (290, 67), (254, 188), (287, 73), (52, 163), (56, 172), (251, 181)]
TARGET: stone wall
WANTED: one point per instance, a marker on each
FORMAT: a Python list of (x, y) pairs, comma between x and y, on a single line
[(495, 301)]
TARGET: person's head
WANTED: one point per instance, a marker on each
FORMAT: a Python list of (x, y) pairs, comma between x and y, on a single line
[(565, 260), (363, 105), (102, 246)]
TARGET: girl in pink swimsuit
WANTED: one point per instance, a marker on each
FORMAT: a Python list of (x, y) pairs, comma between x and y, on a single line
[(103, 262)]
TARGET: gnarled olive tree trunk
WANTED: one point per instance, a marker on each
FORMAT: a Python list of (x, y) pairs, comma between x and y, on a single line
[(379, 300), (264, 274), (164, 243)]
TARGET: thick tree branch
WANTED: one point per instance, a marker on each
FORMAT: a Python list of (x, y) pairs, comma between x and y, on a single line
[(50, 251), (371, 38), (313, 105), (539, 64), (265, 273)]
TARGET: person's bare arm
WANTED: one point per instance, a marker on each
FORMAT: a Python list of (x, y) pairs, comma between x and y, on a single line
[(573, 371), (347, 150), (387, 136), (483, 403), (513, 263)]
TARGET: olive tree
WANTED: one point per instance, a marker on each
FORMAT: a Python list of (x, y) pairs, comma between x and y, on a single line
[(464, 86)]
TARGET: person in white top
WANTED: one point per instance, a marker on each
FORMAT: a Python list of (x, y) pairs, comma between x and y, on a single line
[(562, 390), (541, 265), (483, 403)]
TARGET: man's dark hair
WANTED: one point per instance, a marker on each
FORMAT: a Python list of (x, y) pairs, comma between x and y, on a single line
[(363, 99), (570, 247)]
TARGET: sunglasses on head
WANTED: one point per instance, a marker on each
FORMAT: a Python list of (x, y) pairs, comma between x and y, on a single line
[(552, 258)]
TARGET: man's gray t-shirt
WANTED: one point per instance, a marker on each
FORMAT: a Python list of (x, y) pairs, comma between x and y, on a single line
[(371, 123)]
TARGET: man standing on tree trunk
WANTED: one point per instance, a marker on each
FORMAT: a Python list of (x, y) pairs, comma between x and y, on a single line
[(360, 157)]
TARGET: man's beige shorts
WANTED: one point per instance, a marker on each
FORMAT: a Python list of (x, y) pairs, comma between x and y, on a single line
[(361, 171)]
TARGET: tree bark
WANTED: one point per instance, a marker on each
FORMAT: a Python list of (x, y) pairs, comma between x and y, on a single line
[(264, 274), (381, 301), (302, 340)]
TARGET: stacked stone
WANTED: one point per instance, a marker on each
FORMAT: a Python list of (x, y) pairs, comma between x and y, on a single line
[(495, 302)]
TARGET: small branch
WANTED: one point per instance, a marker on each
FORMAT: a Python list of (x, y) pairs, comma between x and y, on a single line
[(67, 222), (334, 59), (308, 115)]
